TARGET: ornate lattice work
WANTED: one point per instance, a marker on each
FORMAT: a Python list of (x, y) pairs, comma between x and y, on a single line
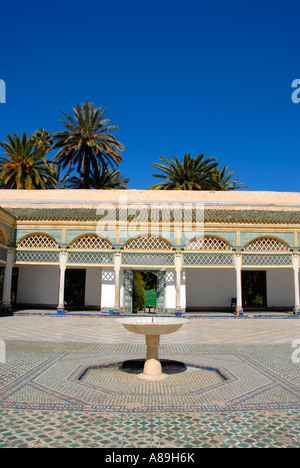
[(146, 242), (170, 277), (93, 258), (3, 239), (149, 259), (207, 259), (267, 260), (108, 276), (267, 244), (37, 256), (90, 242), (37, 241), (208, 243)]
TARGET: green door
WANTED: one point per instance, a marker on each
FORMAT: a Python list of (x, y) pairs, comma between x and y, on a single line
[(151, 298)]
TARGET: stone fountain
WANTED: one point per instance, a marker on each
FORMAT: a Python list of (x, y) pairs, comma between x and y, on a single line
[(152, 328)]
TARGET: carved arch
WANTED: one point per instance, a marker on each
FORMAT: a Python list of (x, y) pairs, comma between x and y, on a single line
[(208, 242)]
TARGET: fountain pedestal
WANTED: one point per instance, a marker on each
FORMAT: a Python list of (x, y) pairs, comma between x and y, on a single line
[(152, 368), (152, 329)]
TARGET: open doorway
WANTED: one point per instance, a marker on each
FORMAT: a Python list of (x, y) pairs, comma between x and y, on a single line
[(254, 289), (144, 291)]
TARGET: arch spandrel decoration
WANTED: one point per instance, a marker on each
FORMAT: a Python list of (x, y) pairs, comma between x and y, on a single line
[(208, 243), (90, 242), (37, 248), (3, 237), (147, 243), (267, 244), (37, 241)]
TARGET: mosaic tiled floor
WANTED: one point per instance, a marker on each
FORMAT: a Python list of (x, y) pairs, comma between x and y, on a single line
[(230, 395), (72, 429), (87, 377)]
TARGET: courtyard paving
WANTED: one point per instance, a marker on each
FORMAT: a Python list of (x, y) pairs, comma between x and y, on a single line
[(61, 385)]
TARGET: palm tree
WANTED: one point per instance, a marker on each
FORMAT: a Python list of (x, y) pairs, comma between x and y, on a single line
[(107, 179), (43, 139), (223, 179), (191, 174), (87, 142), (25, 166)]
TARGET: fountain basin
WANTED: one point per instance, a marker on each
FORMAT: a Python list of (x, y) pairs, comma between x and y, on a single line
[(152, 325), (152, 328)]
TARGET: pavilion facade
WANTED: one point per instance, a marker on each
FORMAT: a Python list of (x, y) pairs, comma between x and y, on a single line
[(209, 250)]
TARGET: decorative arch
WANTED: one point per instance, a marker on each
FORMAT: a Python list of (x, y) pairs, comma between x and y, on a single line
[(147, 242), (3, 237), (208, 242), (267, 244), (37, 240), (90, 242)]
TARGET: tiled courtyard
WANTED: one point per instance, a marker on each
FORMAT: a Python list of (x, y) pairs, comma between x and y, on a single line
[(61, 385)]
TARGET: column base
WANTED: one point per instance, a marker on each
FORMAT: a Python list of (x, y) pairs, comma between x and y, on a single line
[(296, 311), (116, 311), (179, 312), (6, 309), (239, 312), (60, 310)]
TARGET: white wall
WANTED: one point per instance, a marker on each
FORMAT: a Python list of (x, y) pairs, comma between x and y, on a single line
[(209, 287), (107, 288), (93, 286), (170, 291), (280, 287), (38, 284)]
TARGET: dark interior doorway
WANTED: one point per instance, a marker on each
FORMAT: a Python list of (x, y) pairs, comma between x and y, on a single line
[(75, 288), (254, 289)]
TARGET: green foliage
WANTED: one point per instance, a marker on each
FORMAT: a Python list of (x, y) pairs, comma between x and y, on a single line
[(138, 292), (150, 280), (224, 179), (108, 179), (193, 174), (89, 152), (25, 165), (87, 144)]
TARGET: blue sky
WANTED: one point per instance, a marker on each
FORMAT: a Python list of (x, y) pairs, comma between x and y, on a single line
[(177, 77)]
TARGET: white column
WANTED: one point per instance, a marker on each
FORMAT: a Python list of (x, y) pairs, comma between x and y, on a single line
[(7, 280), (62, 270), (117, 281), (239, 299), (296, 284), (178, 281), (183, 290)]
